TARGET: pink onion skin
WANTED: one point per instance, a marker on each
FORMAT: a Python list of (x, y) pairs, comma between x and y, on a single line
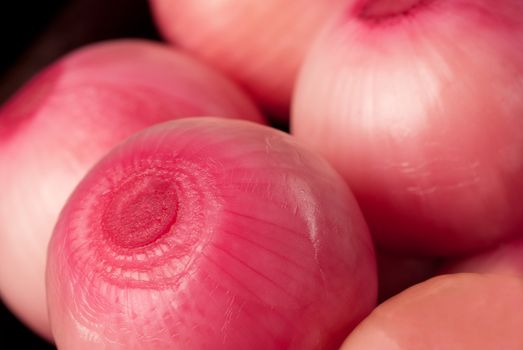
[(421, 114), (451, 312), (266, 247), (505, 258), (64, 121), (259, 43)]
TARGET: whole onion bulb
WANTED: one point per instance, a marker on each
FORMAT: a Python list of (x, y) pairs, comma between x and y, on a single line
[(209, 234), (419, 105)]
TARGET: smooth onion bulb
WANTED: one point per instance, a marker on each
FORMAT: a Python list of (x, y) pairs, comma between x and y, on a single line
[(209, 234), (64, 121), (419, 105), (451, 312), (259, 43)]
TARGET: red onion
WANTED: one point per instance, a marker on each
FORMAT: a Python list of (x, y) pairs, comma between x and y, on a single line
[(209, 234), (419, 105)]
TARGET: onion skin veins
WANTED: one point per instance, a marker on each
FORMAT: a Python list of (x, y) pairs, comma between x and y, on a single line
[(267, 249), (265, 246)]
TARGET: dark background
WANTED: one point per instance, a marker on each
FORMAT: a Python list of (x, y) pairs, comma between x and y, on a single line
[(35, 33)]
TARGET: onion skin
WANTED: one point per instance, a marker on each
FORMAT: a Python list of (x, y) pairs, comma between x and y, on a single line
[(452, 312), (264, 246), (64, 120), (427, 132), (261, 44)]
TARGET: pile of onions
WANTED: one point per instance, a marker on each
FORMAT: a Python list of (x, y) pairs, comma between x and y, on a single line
[(186, 228)]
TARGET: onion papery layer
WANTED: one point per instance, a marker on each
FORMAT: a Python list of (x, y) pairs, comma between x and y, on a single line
[(267, 250), (422, 117), (64, 120)]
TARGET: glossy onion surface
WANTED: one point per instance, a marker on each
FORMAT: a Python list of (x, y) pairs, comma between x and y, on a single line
[(451, 312), (64, 121), (259, 43), (209, 234), (419, 105)]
